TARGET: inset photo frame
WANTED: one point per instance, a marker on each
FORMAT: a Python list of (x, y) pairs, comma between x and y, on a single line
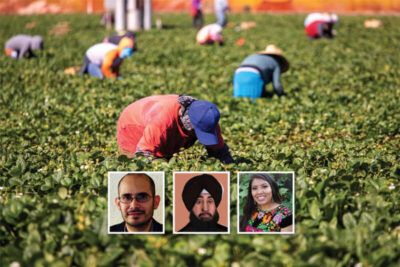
[(266, 202), (136, 202), (201, 203)]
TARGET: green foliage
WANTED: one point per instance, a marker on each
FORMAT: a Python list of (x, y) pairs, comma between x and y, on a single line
[(338, 130)]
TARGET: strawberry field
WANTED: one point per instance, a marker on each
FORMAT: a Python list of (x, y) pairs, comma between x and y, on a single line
[(337, 129)]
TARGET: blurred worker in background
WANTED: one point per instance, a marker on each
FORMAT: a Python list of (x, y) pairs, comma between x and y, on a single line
[(22, 45), (210, 34), (220, 8), (116, 39), (320, 25), (104, 59), (258, 70), (197, 14), (108, 17), (161, 125)]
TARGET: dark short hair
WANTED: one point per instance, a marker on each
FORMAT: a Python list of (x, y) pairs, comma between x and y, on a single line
[(152, 185)]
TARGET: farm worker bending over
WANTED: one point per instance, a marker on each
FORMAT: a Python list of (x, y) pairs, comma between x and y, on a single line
[(197, 14), (159, 126), (22, 45), (104, 59), (220, 8), (210, 34), (319, 25), (116, 39), (258, 70)]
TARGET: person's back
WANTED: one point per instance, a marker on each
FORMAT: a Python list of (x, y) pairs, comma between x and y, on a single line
[(257, 70), (153, 125), (15, 41), (264, 63), (22, 45), (314, 17), (97, 52), (209, 34), (161, 125), (318, 25)]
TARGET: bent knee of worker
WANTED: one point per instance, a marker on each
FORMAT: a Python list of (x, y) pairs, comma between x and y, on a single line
[(95, 71)]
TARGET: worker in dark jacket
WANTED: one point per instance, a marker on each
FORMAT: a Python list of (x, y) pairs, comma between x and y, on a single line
[(258, 70), (22, 45), (161, 125)]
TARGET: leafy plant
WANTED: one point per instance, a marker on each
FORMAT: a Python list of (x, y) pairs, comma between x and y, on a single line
[(337, 129)]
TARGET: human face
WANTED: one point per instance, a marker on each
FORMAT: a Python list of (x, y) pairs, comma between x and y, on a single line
[(204, 208), (261, 192), (136, 214)]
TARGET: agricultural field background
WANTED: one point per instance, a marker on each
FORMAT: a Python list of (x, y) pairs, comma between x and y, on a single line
[(337, 129)]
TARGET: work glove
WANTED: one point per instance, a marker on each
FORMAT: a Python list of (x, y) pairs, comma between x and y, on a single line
[(222, 154)]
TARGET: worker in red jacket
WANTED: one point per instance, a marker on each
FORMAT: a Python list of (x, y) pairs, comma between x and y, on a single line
[(320, 25), (159, 126)]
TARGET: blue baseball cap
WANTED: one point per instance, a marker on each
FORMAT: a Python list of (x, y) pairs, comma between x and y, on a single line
[(204, 117)]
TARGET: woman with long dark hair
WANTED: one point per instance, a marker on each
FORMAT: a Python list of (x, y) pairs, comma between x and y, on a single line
[(263, 211)]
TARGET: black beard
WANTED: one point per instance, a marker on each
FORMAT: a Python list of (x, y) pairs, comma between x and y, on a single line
[(200, 225), (140, 225)]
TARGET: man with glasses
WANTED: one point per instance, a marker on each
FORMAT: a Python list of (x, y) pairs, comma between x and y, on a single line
[(137, 201)]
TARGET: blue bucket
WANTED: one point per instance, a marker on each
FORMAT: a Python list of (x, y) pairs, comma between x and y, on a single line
[(247, 84)]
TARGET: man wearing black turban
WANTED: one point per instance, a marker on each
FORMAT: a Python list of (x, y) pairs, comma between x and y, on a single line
[(201, 196)]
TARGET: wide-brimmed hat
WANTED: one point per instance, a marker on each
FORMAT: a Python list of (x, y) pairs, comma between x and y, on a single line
[(204, 117), (276, 52)]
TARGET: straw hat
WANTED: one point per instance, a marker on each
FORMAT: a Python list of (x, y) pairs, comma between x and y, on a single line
[(276, 52)]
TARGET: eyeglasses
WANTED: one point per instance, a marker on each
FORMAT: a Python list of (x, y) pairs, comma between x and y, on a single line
[(141, 197)]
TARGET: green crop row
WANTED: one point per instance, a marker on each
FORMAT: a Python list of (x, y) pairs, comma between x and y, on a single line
[(337, 129)]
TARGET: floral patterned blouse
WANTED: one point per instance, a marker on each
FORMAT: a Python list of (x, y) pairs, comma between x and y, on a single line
[(269, 221)]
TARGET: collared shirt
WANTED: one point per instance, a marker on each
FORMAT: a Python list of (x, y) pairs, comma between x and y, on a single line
[(121, 227)]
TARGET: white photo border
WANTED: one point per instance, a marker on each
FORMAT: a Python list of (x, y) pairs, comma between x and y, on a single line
[(163, 203), (293, 204), (228, 203)]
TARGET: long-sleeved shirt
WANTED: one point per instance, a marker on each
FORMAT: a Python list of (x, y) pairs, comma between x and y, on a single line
[(24, 44), (269, 69), (152, 125)]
